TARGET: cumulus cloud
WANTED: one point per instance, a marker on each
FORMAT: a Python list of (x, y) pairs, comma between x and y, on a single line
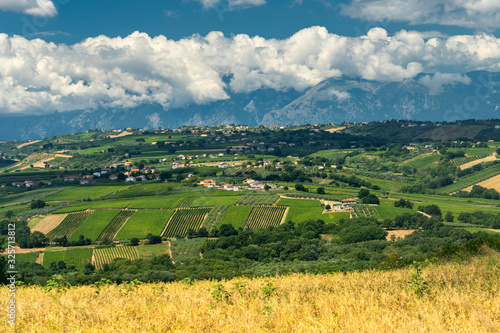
[(36, 76), (232, 4), (436, 82), (477, 14), (30, 7)]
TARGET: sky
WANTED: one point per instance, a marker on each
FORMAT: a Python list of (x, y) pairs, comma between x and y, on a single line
[(65, 55)]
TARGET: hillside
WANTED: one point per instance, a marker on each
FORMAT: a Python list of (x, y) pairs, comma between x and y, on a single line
[(460, 297)]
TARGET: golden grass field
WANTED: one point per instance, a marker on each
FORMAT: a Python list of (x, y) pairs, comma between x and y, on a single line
[(461, 298), (482, 160), (48, 223), (493, 182)]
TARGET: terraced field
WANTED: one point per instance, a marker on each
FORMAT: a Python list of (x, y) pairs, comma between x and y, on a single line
[(106, 256)]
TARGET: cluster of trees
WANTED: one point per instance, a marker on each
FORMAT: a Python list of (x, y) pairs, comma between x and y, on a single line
[(353, 181), (403, 203), (478, 191), (489, 220), (412, 221), (432, 210), (368, 198), (63, 241), (24, 237)]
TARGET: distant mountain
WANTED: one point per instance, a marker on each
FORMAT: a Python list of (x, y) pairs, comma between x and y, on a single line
[(333, 100)]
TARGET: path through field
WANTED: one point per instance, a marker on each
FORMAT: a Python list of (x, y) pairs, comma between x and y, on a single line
[(48, 223), (27, 144)]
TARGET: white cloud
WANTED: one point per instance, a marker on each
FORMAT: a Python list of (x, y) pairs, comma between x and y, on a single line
[(477, 14), (436, 82), (36, 76), (30, 7), (232, 4)]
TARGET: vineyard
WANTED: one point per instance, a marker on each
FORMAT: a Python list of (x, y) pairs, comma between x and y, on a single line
[(263, 217), (312, 196), (258, 199), (185, 249), (363, 211), (233, 171), (185, 202), (76, 257), (95, 224), (185, 219), (214, 217), (463, 160), (116, 223), (106, 256), (68, 226)]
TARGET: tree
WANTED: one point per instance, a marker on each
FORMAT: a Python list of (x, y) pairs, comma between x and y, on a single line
[(38, 239), (449, 217), (227, 230), (134, 241), (363, 193), (320, 190), (267, 187), (9, 214), (153, 239), (328, 207), (37, 204), (300, 188), (370, 199)]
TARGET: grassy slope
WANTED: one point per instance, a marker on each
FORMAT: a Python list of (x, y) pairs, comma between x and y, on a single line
[(77, 257), (236, 215), (302, 210), (462, 297), (83, 192)]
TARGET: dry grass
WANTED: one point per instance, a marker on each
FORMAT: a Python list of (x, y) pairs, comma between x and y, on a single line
[(122, 134), (461, 298), (48, 223), (398, 233), (493, 182), (481, 160), (336, 129), (27, 144)]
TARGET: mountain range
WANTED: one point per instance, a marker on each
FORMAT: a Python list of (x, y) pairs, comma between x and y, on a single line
[(332, 101)]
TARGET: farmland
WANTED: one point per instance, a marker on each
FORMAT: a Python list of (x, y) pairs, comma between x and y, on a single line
[(258, 199), (95, 224), (70, 223), (185, 219), (47, 223), (214, 217), (116, 223), (265, 216), (493, 182), (237, 216), (214, 200), (76, 257), (93, 192), (152, 250), (465, 160), (145, 222), (107, 255)]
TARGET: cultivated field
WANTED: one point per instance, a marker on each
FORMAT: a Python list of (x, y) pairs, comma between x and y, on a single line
[(95, 224), (478, 161), (263, 217), (493, 182), (185, 249), (102, 257), (48, 223), (236, 215), (460, 297), (116, 223), (70, 223), (214, 217), (258, 199), (77, 257), (145, 222), (185, 219)]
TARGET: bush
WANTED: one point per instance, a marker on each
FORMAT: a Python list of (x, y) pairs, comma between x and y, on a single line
[(37, 204), (370, 199)]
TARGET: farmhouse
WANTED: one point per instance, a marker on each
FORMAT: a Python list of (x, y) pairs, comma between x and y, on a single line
[(224, 165), (348, 202), (257, 186), (113, 177), (71, 178), (130, 179), (208, 183), (18, 184), (176, 165)]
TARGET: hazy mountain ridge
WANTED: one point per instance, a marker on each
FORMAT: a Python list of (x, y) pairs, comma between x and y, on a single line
[(332, 100)]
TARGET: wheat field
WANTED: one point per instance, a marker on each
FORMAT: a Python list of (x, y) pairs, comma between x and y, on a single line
[(461, 297)]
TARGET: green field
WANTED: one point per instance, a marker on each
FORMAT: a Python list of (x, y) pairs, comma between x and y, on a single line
[(83, 192), (27, 257), (76, 257), (107, 255), (236, 216), (146, 190), (475, 230), (265, 216), (471, 180), (95, 224), (70, 223), (145, 222), (214, 201), (152, 250), (422, 160), (116, 223), (160, 201)]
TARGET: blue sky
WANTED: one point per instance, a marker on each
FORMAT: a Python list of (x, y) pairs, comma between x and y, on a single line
[(63, 55)]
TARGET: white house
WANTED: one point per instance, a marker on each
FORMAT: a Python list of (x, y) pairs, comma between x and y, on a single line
[(130, 179)]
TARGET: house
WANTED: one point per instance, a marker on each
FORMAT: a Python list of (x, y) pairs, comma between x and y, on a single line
[(212, 156), (135, 170), (230, 187), (224, 165), (18, 184), (130, 179), (348, 202), (150, 169), (71, 178), (141, 178), (267, 162), (113, 177), (96, 174), (84, 181), (221, 154), (181, 157), (208, 183), (321, 167), (30, 183), (257, 186), (176, 165)]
